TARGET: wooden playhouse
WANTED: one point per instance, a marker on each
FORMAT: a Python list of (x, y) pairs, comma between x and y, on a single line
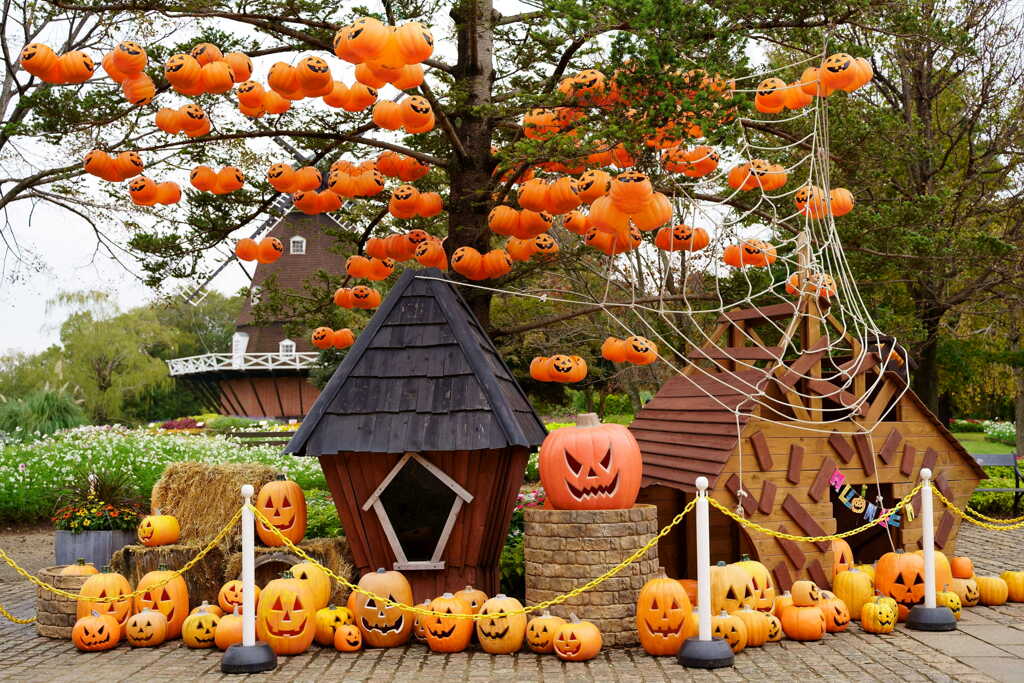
[(423, 435), (802, 425)]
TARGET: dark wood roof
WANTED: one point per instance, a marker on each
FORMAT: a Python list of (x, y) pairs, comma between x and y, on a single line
[(689, 429), (423, 376)]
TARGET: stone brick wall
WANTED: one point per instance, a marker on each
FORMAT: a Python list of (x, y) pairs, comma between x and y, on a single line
[(566, 548)]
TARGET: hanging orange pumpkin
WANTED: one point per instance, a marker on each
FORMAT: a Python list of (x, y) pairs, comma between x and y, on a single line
[(216, 77), (468, 262), (270, 249), (837, 70), (415, 42), (247, 249), (756, 253), (182, 71), (38, 59), (630, 191), (841, 201), (365, 297), (387, 115)]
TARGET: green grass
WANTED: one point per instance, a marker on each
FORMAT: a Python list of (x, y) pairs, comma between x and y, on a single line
[(975, 443)]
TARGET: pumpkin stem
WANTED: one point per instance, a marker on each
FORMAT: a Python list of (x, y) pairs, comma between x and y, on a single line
[(280, 477), (573, 618), (80, 562), (587, 420), (381, 570), (161, 567), (287, 575), (447, 595), (107, 569), (94, 613)]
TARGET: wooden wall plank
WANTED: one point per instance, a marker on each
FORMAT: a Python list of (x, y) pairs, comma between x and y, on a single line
[(888, 450), (818, 575), (930, 458), (733, 485), (783, 579), (867, 458), (819, 488), (942, 484), (792, 550), (907, 463), (945, 526), (796, 461), (840, 446), (764, 455), (767, 501), (804, 520)]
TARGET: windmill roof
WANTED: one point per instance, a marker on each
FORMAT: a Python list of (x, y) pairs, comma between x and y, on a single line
[(423, 376)]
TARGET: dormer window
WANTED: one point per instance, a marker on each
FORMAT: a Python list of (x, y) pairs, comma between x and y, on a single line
[(286, 348), (297, 245)]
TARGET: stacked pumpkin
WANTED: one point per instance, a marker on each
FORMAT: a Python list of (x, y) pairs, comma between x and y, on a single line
[(206, 70), (43, 63), (636, 350), (386, 54), (124, 64)]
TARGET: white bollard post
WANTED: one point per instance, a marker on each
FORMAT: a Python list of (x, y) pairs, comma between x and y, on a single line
[(703, 561), (248, 570), (249, 656), (928, 617), (704, 652), (928, 538)]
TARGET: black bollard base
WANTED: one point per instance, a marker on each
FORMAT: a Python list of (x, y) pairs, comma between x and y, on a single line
[(706, 654), (254, 659), (922, 618)]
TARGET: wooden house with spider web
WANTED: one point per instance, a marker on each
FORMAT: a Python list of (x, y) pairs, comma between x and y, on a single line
[(807, 430)]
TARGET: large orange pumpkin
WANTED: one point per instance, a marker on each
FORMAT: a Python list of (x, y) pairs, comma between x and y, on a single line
[(448, 634), (286, 615), (106, 585), (900, 576), (284, 505), (383, 625), (591, 466), (661, 611), (842, 556), (96, 632), (171, 599)]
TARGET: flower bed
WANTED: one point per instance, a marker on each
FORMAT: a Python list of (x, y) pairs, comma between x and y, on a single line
[(32, 474), (1000, 432)]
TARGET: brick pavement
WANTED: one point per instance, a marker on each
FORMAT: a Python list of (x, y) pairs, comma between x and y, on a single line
[(989, 646)]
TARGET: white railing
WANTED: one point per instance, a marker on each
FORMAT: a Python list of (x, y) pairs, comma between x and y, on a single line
[(210, 362)]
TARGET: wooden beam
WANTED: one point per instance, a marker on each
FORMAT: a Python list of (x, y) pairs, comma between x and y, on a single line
[(867, 458), (942, 484), (820, 485), (907, 462), (791, 549), (931, 456), (733, 485), (945, 526), (796, 461), (773, 312), (881, 402), (764, 455), (888, 450), (801, 365), (783, 579), (818, 575), (736, 353), (840, 446), (859, 365), (804, 520), (822, 387), (767, 501)]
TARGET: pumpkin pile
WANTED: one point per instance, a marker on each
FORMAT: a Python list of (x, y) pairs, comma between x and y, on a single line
[(206, 70), (558, 368), (325, 338), (636, 350), (267, 250), (386, 54), (43, 63)]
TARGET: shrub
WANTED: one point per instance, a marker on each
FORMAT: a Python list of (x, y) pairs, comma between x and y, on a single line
[(40, 413), (227, 423), (322, 516), (180, 423), (512, 563), (993, 503), (966, 426)]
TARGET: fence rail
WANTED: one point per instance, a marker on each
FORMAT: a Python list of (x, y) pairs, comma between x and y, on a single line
[(210, 362)]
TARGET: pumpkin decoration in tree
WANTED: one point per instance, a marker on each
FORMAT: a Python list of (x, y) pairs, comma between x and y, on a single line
[(328, 619), (284, 505), (1015, 585), (200, 629), (348, 638), (166, 592), (577, 641), (540, 632), (79, 568), (803, 622), (158, 529), (501, 635), (947, 598), (383, 625), (854, 588), (731, 588), (147, 628), (286, 616), (761, 579), (731, 629), (878, 616), (96, 632), (107, 584), (448, 633), (900, 576), (992, 590), (661, 611), (229, 630), (591, 466)]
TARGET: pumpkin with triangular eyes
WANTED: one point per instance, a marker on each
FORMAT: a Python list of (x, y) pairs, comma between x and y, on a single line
[(194, 116), (348, 638), (837, 616), (314, 74), (96, 632), (756, 253), (415, 42), (230, 595), (448, 633), (106, 584), (731, 588), (947, 598), (329, 620), (39, 60), (415, 111), (761, 580), (878, 616), (147, 628), (731, 629), (143, 190), (383, 625), (367, 38), (283, 503), (182, 70), (577, 641), (501, 635), (900, 576), (681, 238), (286, 616), (129, 57), (661, 611), (270, 249), (170, 599), (200, 629), (540, 632), (593, 184), (630, 191)]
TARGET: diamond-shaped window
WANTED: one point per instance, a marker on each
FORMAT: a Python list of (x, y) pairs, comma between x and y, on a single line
[(417, 505)]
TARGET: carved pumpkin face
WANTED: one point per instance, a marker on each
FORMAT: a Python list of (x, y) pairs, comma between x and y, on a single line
[(194, 112), (731, 588), (171, 599), (661, 611), (284, 505), (761, 580), (473, 597), (348, 638), (842, 556), (286, 617), (878, 616), (640, 350), (837, 63), (314, 65), (95, 632), (774, 629), (200, 629), (383, 625), (230, 596), (805, 593), (105, 585), (404, 193), (502, 634), (328, 620), (417, 236), (901, 577), (577, 641), (419, 630), (448, 634), (858, 504), (158, 530), (948, 598), (540, 632), (562, 365), (837, 616), (146, 629), (730, 629)]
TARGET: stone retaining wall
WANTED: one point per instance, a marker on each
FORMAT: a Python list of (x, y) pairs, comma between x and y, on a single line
[(566, 548)]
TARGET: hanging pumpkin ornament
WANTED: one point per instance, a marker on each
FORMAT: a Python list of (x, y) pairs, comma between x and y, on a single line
[(415, 42), (194, 121), (770, 96), (630, 191), (366, 39), (796, 97), (314, 76), (274, 103), (270, 249), (837, 71), (415, 112), (241, 66), (755, 253), (840, 201), (411, 77), (404, 201), (365, 298), (681, 238), (182, 71), (39, 60), (283, 79), (143, 191), (229, 179), (343, 338), (533, 195), (75, 67), (247, 249), (216, 78)]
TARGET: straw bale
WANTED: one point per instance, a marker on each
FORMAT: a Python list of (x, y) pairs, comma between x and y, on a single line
[(333, 553), (203, 580)]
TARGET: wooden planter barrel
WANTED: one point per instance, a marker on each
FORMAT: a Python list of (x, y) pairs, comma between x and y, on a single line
[(96, 547), (55, 614)]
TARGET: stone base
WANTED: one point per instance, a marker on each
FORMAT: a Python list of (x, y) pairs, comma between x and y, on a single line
[(55, 614), (567, 548)]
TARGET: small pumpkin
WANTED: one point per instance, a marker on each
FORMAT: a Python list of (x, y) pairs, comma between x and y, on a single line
[(731, 629), (967, 591), (448, 633), (158, 529), (962, 567), (947, 598), (501, 635), (207, 607), (804, 623), (878, 616), (473, 597), (854, 588), (758, 625), (229, 630), (419, 632), (775, 633), (805, 593), (79, 568), (348, 638), (992, 590), (782, 602), (577, 641), (230, 595), (147, 628), (328, 619), (540, 632), (96, 632), (1015, 585), (837, 616), (200, 629)]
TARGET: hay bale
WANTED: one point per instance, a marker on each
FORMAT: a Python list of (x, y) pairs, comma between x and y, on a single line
[(204, 497), (203, 580), (332, 553)]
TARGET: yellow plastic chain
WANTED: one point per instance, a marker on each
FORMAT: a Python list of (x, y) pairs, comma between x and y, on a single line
[(995, 520), (815, 539), (10, 617), (413, 609), (117, 598), (977, 522)]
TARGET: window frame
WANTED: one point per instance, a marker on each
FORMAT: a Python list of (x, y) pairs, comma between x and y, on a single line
[(291, 245)]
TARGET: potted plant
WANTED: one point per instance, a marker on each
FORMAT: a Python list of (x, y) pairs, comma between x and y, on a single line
[(96, 516)]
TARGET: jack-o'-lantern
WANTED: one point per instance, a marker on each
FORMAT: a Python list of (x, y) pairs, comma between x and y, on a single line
[(661, 611), (630, 191), (803, 622), (38, 59), (158, 529), (758, 625), (147, 628), (383, 625), (348, 638), (415, 112), (900, 576), (755, 253), (967, 591), (418, 630), (591, 466), (284, 505), (170, 599), (731, 629), (319, 582), (761, 580), (230, 595), (681, 238), (992, 590), (878, 616), (770, 95), (75, 66), (775, 632), (805, 593), (842, 556), (731, 588), (640, 350), (105, 585), (415, 42), (138, 89), (269, 250), (501, 635), (837, 616), (328, 619), (447, 633), (853, 587), (540, 632), (837, 70), (947, 598), (200, 629), (365, 297), (577, 641), (285, 617), (96, 632), (182, 70), (473, 597), (322, 337), (229, 630), (943, 572)]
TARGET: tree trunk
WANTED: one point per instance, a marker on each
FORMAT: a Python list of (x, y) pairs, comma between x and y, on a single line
[(1018, 408), (470, 174), (925, 381)]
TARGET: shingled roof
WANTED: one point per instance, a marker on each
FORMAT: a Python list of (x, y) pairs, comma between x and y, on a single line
[(423, 376)]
